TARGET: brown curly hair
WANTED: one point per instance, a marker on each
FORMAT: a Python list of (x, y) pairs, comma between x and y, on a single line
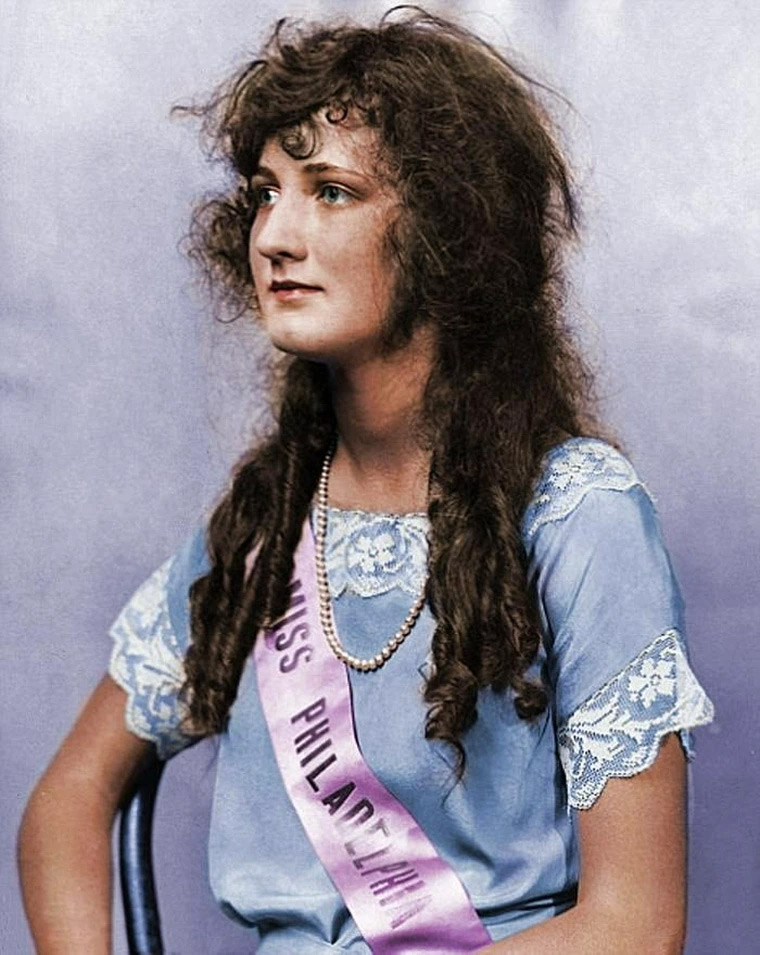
[(488, 209)]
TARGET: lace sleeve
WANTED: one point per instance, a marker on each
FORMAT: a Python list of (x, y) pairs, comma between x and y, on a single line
[(617, 732), (611, 617), (147, 663)]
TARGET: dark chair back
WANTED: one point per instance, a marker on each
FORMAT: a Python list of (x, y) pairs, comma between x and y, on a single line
[(138, 890)]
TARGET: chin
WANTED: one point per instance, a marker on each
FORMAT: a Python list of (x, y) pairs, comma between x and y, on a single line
[(345, 354), (298, 352), (298, 338), (289, 335), (300, 346)]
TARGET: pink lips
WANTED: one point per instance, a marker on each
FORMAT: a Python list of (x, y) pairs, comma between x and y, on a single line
[(286, 290)]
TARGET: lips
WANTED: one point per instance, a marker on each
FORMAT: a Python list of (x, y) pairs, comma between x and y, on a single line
[(290, 292), (289, 286)]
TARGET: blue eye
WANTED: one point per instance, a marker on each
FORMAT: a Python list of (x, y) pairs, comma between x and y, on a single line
[(265, 196), (334, 195)]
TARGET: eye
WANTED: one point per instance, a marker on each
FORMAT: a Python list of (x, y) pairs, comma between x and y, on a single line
[(265, 195), (334, 195)]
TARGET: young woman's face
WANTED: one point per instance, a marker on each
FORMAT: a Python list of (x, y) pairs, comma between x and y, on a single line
[(322, 277)]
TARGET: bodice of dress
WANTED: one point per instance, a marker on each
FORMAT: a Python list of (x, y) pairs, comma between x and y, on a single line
[(613, 657)]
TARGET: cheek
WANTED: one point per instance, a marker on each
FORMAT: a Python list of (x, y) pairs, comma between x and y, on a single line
[(258, 276), (366, 287), (364, 264), (380, 278), (252, 257)]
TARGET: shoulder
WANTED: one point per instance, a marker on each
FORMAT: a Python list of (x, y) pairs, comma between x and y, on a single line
[(150, 639), (159, 608), (570, 472), (185, 567)]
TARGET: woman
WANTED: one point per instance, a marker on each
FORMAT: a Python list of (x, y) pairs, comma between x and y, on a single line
[(435, 534)]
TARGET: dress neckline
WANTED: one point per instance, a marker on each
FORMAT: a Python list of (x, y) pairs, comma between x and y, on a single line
[(337, 511)]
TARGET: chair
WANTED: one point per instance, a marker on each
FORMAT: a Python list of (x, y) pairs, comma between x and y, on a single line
[(138, 890)]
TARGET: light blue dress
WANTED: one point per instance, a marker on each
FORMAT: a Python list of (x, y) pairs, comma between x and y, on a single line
[(613, 657)]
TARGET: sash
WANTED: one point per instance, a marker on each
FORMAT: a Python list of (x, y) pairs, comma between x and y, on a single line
[(402, 895)]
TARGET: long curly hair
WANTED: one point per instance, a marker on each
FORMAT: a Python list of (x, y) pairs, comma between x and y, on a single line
[(488, 209)]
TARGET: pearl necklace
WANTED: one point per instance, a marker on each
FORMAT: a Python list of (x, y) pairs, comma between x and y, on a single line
[(366, 664)]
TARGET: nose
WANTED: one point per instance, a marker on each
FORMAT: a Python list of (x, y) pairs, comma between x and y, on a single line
[(278, 231)]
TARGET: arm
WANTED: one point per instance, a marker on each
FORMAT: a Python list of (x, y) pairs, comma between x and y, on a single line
[(612, 619), (632, 896), (64, 844)]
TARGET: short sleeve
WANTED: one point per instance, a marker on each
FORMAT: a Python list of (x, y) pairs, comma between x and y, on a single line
[(612, 618), (150, 638)]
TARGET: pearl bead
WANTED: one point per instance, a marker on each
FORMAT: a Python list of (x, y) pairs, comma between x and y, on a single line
[(323, 591)]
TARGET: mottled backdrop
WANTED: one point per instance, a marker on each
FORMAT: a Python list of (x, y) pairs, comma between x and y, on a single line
[(121, 412)]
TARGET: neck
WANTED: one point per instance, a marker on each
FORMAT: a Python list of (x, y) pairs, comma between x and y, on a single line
[(379, 463)]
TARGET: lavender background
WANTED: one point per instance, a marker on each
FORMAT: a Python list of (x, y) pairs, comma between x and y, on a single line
[(121, 410)]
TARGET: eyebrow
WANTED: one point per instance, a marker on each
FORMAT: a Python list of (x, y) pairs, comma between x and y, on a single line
[(314, 168)]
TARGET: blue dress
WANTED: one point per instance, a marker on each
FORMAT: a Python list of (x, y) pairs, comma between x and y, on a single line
[(613, 657)]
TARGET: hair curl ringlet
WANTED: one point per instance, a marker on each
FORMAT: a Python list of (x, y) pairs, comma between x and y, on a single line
[(488, 209)]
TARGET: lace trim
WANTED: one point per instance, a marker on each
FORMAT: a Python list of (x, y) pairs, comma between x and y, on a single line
[(369, 554), (617, 732), (146, 662), (571, 470)]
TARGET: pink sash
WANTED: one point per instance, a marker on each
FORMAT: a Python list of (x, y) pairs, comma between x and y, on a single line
[(402, 895)]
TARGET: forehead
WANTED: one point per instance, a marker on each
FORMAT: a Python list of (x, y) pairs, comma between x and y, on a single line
[(350, 144)]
